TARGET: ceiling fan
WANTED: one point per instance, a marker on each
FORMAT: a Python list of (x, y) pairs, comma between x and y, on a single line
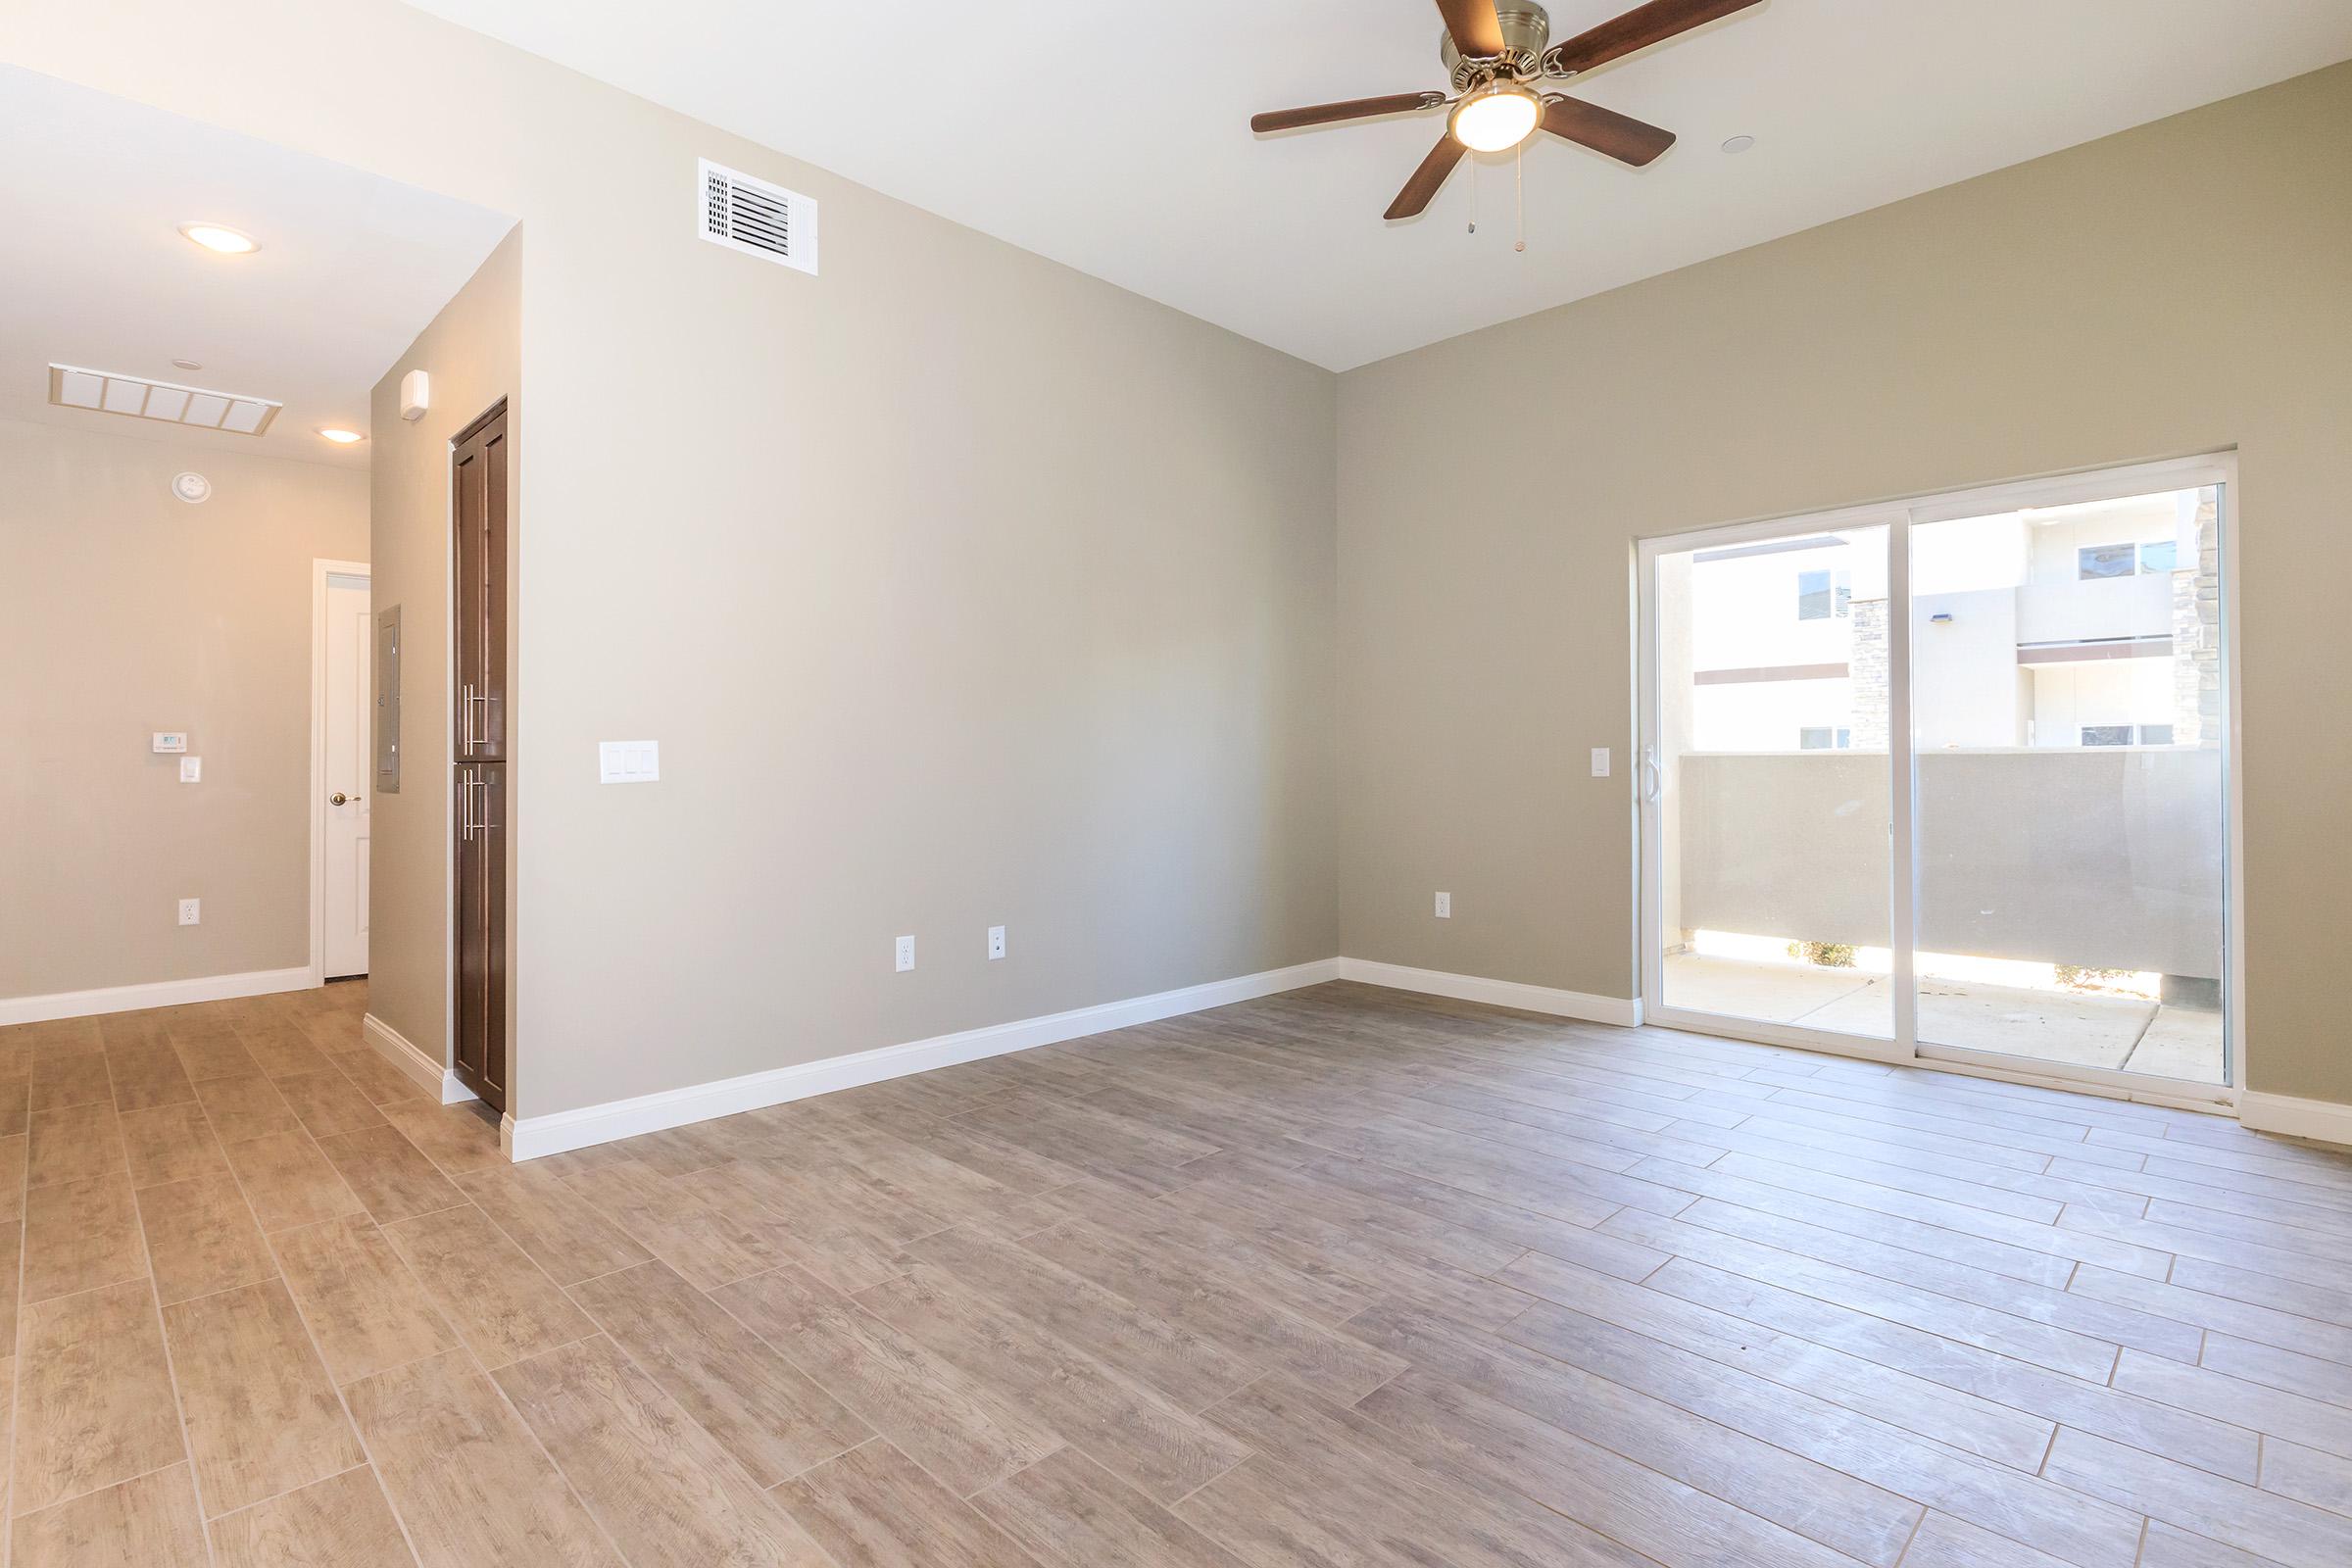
[(1495, 56)]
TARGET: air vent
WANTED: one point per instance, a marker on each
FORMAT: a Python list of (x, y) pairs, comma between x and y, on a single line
[(756, 218), (102, 392)]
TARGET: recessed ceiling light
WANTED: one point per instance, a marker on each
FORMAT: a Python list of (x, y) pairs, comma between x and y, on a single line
[(186, 365), (1738, 144), (339, 436), (215, 237)]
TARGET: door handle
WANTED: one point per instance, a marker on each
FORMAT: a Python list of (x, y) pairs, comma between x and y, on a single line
[(467, 825), (340, 799), (1654, 777)]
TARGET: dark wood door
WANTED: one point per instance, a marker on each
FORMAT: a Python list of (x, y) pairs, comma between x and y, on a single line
[(478, 513), (482, 978)]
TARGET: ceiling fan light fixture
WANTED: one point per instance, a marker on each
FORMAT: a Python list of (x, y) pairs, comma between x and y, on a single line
[(1496, 117)]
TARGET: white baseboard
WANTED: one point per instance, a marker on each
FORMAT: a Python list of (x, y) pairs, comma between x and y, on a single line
[(534, 1136), (418, 1066), (2322, 1119), (1495, 992), (160, 993)]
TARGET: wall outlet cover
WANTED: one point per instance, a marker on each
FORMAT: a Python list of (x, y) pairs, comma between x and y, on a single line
[(905, 954), (191, 911), (996, 942), (1444, 905)]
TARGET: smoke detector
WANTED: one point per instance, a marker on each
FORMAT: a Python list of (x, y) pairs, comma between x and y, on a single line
[(105, 392)]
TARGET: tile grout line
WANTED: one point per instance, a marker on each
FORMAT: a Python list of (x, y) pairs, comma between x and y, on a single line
[(310, 1335), (163, 1333)]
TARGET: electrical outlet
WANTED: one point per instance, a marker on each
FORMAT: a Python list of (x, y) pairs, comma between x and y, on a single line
[(905, 954), (1444, 905), (191, 770), (996, 942), (191, 911)]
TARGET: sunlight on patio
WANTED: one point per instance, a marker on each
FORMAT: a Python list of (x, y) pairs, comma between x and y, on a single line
[(2080, 1029)]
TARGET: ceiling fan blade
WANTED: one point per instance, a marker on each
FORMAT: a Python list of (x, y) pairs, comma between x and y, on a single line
[(1426, 178), (1606, 130), (1638, 28), (1353, 109), (1476, 29)]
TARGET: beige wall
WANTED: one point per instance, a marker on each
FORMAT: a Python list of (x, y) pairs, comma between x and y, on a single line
[(2176, 289), (471, 354), (125, 611), (958, 588)]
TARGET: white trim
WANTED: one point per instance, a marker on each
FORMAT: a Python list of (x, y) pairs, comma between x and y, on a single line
[(531, 1137), (154, 994), (416, 1064), (1620, 1011), (321, 570), (2322, 1119)]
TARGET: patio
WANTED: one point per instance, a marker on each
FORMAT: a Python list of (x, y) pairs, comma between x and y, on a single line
[(2053, 1026)]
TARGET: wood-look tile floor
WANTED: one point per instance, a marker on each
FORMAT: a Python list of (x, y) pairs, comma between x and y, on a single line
[(1341, 1277)]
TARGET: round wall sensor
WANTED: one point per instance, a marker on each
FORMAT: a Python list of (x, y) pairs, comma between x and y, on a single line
[(1738, 144), (191, 487)]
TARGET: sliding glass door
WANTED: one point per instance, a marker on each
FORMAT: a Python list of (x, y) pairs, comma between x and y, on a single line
[(1950, 779), (1772, 738)]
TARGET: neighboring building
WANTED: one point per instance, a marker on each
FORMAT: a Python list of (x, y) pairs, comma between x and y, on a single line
[(2061, 627)]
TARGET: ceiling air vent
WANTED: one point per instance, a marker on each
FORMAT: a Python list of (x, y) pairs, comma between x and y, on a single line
[(104, 392), (756, 218)]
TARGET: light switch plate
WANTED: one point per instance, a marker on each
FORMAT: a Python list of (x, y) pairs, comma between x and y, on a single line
[(191, 770), (171, 739), (1600, 762), (628, 761)]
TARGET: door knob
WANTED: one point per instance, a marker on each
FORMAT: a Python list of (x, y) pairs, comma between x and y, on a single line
[(339, 797)]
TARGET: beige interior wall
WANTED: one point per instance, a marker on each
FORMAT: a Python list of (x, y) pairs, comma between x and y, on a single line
[(471, 354), (2180, 288), (125, 611), (958, 588)]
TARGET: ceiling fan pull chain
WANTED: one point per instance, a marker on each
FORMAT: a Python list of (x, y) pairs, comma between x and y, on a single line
[(1519, 178), (1473, 195)]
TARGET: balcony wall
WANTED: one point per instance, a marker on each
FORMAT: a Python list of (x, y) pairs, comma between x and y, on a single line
[(2108, 857)]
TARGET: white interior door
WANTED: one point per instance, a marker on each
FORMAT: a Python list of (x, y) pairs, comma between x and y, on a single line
[(345, 777)]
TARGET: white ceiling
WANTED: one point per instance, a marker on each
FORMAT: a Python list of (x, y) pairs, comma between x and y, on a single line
[(351, 267), (1113, 138)]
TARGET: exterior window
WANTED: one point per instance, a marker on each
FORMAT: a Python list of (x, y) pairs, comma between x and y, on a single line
[(2155, 734), (2157, 559), (2094, 562), (2106, 734), (1821, 595), (1823, 738)]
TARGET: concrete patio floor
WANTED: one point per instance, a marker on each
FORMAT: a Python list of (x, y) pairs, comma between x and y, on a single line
[(2052, 1026)]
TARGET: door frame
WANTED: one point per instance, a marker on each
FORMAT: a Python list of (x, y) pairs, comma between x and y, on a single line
[(322, 569), (1904, 1049)]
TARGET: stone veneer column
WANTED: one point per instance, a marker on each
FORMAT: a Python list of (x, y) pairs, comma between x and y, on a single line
[(1866, 661), (2197, 637)]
